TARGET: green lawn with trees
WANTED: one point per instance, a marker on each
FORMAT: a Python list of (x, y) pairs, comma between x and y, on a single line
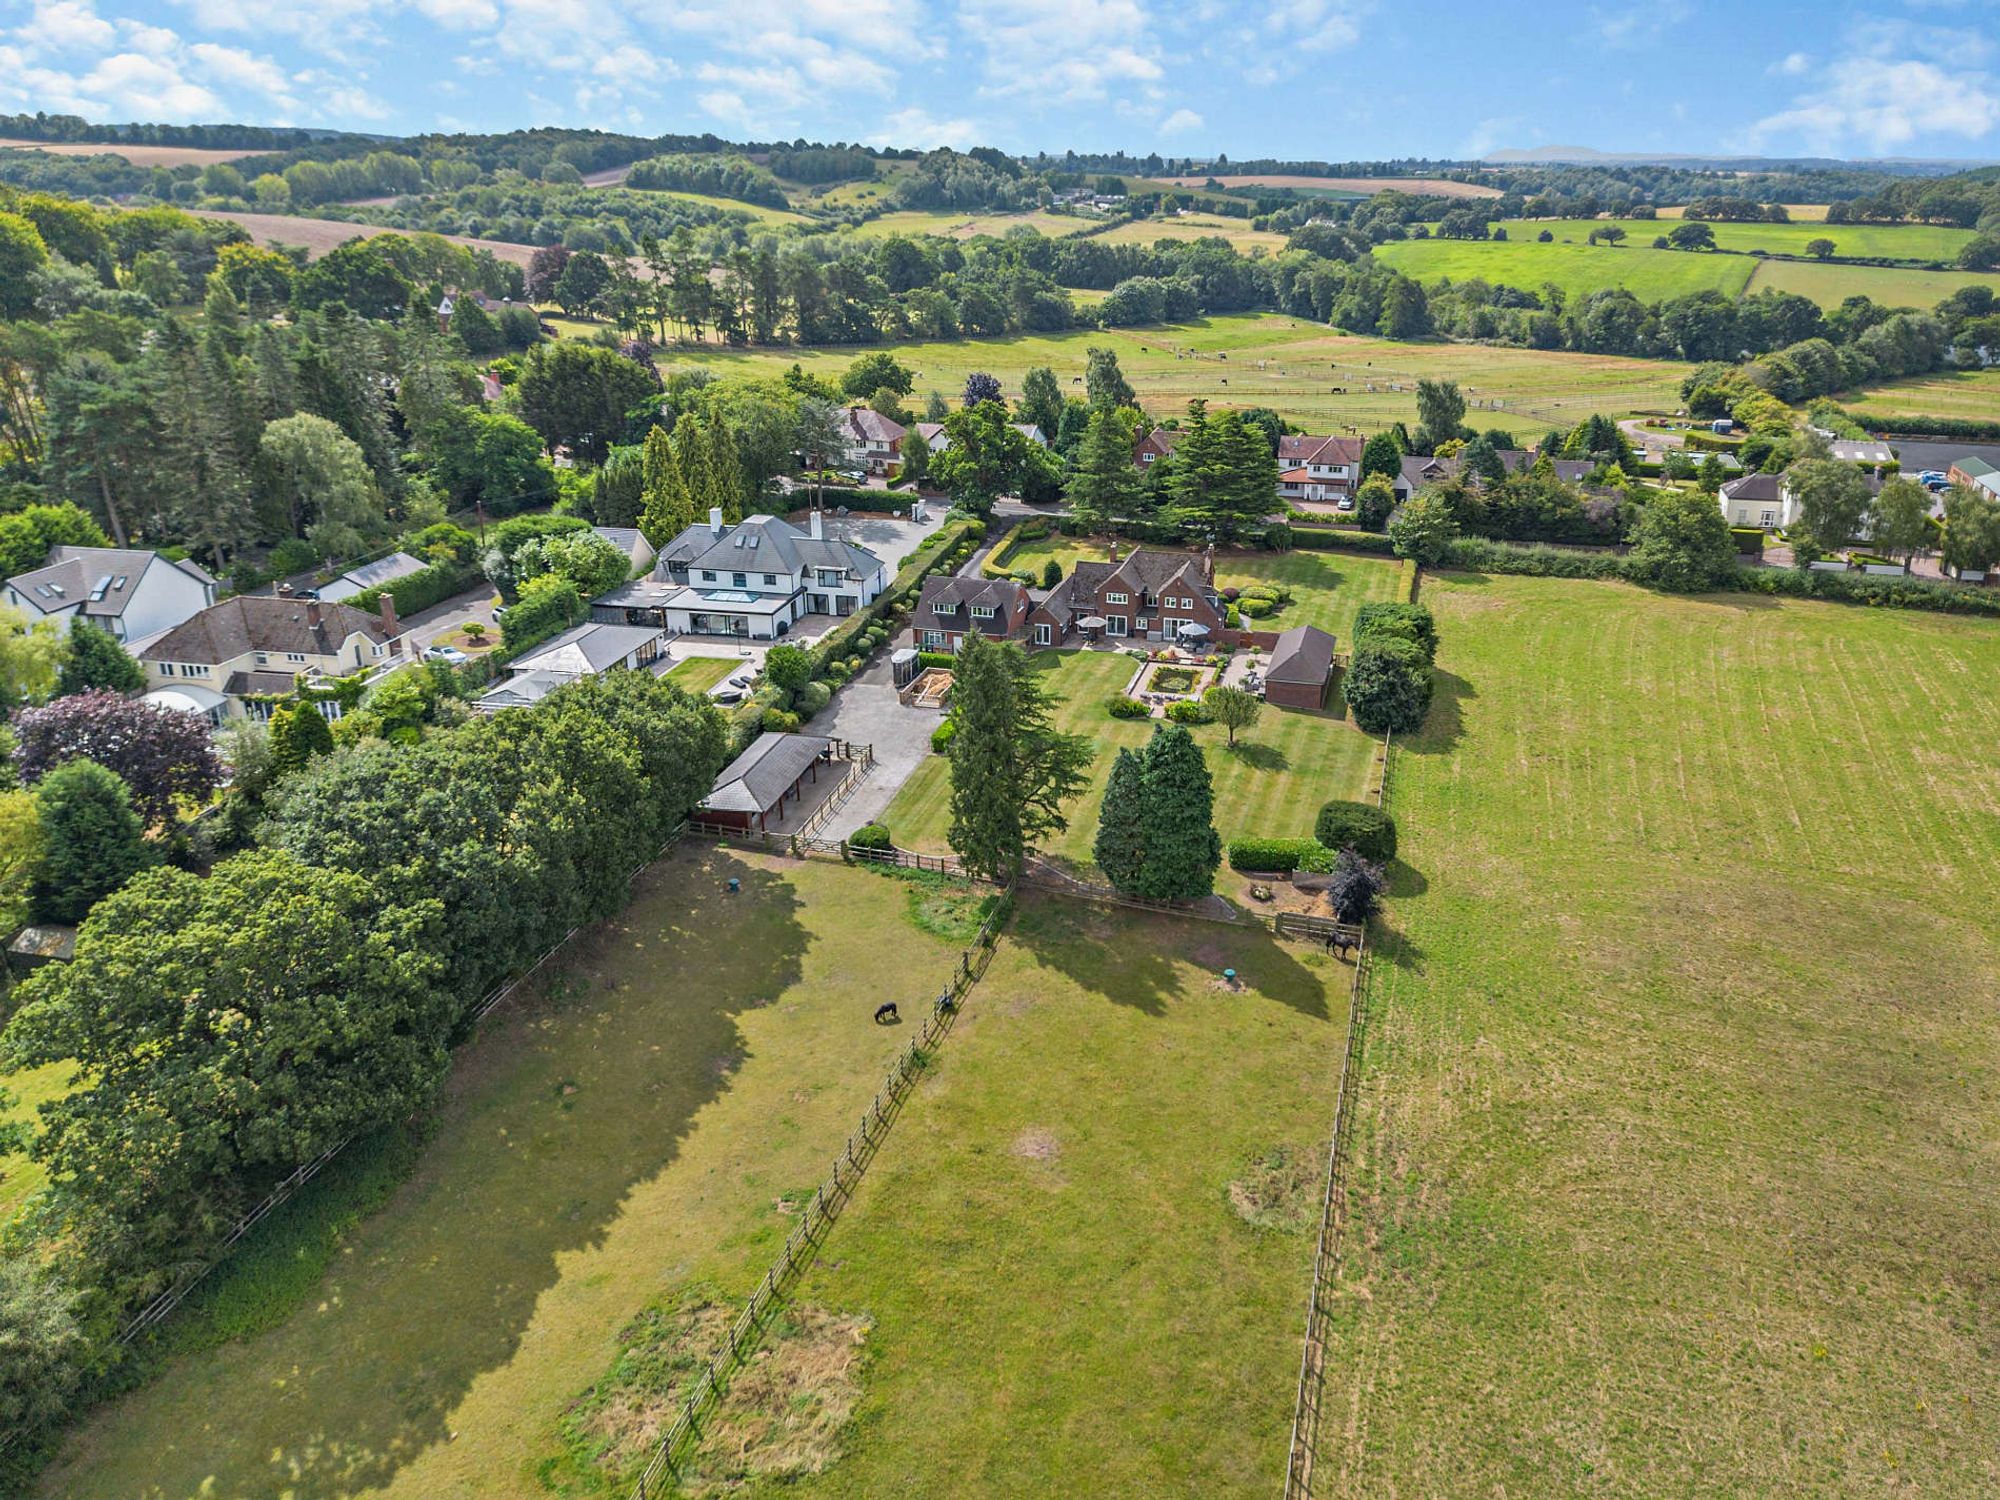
[(1672, 1169), (617, 1132)]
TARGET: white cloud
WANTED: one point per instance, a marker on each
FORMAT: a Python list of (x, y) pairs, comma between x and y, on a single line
[(1640, 26), (68, 26), (1490, 134), (1792, 64), (1894, 85), (1179, 121), (234, 67), (917, 127), (1064, 50), (1317, 25)]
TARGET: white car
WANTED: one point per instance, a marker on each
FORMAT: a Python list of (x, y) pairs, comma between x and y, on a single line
[(451, 654)]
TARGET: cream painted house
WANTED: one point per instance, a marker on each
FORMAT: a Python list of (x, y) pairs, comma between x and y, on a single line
[(230, 658)]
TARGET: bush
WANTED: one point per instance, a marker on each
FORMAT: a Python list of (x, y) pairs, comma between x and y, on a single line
[(1408, 622), (779, 721), (1278, 537), (1340, 539), (936, 659), (870, 836), (1749, 540), (1121, 707), (1254, 856), (1388, 685), (811, 698), (942, 736), (1256, 608), (1232, 616), (1188, 711), (1360, 826)]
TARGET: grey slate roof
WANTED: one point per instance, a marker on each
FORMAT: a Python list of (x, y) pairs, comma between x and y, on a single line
[(384, 570), (1754, 487), (73, 574), (758, 779), (584, 649), (224, 631), (767, 544), (1304, 654)]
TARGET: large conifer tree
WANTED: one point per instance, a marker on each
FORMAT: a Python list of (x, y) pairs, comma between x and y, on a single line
[(1120, 850), (1177, 825)]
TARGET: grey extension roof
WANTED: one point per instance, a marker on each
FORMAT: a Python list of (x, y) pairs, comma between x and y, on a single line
[(758, 779), (1304, 654), (102, 579), (376, 574), (767, 544), (584, 649)]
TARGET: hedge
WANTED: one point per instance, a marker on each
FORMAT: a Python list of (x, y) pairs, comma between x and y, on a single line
[(937, 659), (838, 643), (1406, 582), (1121, 707), (1749, 540), (1539, 560), (419, 591), (1922, 427), (1253, 856), (1360, 826), (1332, 539), (870, 836), (1409, 622)]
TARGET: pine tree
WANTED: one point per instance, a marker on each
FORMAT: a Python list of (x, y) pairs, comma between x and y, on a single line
[(691, 461), (1246, 488), (299, 733), (1120, 850), (1197, 466), (1011, 770), (1103, 484), (92, 840), (725, 468), (1177, 826), (664, 511)]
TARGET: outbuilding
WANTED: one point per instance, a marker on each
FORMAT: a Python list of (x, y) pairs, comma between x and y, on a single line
[(753, 789), (1301, 667)]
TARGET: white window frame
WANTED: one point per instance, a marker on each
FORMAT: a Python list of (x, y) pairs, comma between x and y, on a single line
[(1117, 599), (984, 612), (1117, 625), (1044, 636), (932, 640)]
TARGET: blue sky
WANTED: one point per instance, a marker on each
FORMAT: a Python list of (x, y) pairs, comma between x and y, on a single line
[(1329, 79)]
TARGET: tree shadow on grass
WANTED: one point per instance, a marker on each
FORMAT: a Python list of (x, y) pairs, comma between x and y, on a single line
[(1445, 723), (572, 1098), (1258, 757), (1392, 946), (1135, 958), (1405, 880)]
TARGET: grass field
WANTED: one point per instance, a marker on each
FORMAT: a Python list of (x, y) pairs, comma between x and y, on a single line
[(697, 674), (1059, 1281), (960, 225), (1675, 1167), (321, 235), (19, 1175), (139, 156), (1973, 395), (1309, 374), (1923, 242), (1443, 187), (1650, 275), (702, 1059), (1194, 226), (1272, 783), (1328, 587), (1892, 287)]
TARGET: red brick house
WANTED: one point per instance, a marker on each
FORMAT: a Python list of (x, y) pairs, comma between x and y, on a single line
[(1154, 446), (1145, 596), (874, 442), (1318, 468), (949, 609)]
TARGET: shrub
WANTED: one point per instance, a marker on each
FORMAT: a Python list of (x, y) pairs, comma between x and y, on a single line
[(1388, 685), (1232, 594), (1356, 888), (936, 659), (870, 836), (780, 721), (942, 736), (92, 841), (1360, 826), (1188, 711), (1051, 573), (811, 698), (1256, 608), (1121, 707), (1409, 622), (1278, 537), (788, 667), (1255, 856), (1232, 616)]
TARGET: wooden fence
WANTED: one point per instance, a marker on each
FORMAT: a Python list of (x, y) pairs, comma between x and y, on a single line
[(747, 1333)]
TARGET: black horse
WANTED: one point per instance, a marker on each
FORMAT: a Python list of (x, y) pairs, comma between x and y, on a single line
[(886, 1012)]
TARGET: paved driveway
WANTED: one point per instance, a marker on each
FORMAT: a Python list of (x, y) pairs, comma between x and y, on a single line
[(867, 712), (441, 619), (890, 540)]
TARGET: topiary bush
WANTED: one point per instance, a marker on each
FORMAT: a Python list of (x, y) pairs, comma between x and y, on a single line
[(870, 836), (1121, 707), (780, 721), (1360, 826), (1188, 711), (1256, 608), (1254, 856), (1388, 685)]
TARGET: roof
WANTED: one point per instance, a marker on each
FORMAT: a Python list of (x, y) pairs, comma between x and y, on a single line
[(584, 649), (225, 631), (522, 690), (1144, 571), (1418, 470), (871, 426), (767, 544), (957, 591), (757, 780), (1303, 448), (1973, 468), (102, 579), (629, 540), (1161, 440), (1754, 487), (1303, 654), (374, 575), (1870, 451), (45, 940), (189, 697), (258, 684)]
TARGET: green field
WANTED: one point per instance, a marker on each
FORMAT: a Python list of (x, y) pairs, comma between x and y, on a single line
[(1650, 275), (961, 224), (1920, 242), (1970, 395), (1328, 587), (1317, 378), (702, 1058), (1195, 226), (1675, 1169), (1272, 783), (19, 1174), (1059, 1283), (1829, 284)]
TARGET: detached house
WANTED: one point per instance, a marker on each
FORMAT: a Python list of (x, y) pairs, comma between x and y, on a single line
[(755, 580), (1318, 468), (952, 608), (1757, 500), (1154, 446), (134, 595), (1147, 596), (234, 654), (873, 441), (1419, 471)]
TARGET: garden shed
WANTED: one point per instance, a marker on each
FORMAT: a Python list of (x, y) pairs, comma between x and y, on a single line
[(1301, 667)]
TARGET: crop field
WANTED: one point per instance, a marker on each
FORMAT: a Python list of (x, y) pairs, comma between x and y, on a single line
[(1194, 226), (1648, 274), (1442, 187), (958, 224), (1056, 1245), (139, 156), (1674, 1169), (321, 235), (1971, 395), (1322, 380), (1923, 242), (1889, 285), (648, 1124), (1271, 783)]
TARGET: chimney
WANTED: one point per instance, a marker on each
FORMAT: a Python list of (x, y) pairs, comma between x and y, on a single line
[(390, 626), (1114, 549), (715, 519), (284, 591), (312, 614), (814, 528), (1207, 564)]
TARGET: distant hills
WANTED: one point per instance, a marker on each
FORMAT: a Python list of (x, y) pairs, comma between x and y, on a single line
[(1589, 156)]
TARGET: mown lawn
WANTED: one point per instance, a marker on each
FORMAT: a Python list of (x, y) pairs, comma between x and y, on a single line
[(1328, 588), (1064, 1299), (20, 1175), (646, 1125), (1272, 783), (1675, 1169), (697, 674), (1969, 395)]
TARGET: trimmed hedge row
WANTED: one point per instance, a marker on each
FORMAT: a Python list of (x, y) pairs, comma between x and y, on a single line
[(421, 590), (1341, 539), (1922, 427), (1251, 856), (839, 641)]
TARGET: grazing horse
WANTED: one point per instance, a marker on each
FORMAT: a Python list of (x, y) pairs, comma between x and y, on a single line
[(886, 1012)]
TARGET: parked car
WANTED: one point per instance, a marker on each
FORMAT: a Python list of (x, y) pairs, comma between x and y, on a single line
[(1934, 479), (450, 654)]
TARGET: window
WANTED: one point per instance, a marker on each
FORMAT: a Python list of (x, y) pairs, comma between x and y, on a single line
[(1043, 635), (295, 656), (942, 608), (982, 611), (739, 579), (933, 639), (1770, 518), (706, 576), (1187, 604), (1117, 599), (1115, 625), (262, 657)]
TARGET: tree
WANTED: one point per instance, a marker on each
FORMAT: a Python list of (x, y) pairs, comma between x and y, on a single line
[(1103, 382), (576, 395), (582, 286), (20, 858), (984, 458), (1819, 249), (544, 606), (96, 660), (592, 564), (299, 735), (1120, 846), (161, 754), (1103, 484), (42, 1345), (1381, 455), (488, 459), (1232, 708), (936, 409), (1425, 528), (320, 477), (1902, 517), (224, 1029), (1981, 253), (1011, 770), (31, 658), (92, 840), (1971, 530), (1041, 401), (545, 269), (1691, 234), (1374, 502), (1682, 543), (1177, 821), (1440, 413), (980, 387), (1388, 685), (22, 252), (1356, 887), (788, 668), (876, 371), (666, 510), (1832, 499)]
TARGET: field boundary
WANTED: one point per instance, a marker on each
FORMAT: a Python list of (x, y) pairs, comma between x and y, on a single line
[(849, 1165), (1332, 1219)]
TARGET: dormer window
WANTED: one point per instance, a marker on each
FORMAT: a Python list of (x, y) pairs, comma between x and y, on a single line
[(982, 611)]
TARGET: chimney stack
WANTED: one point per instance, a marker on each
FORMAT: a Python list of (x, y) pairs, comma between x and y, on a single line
[(284, 591), (1114, 549), (1207, 563), (312, 614), (814, 528), (715, 519), (391, 627)]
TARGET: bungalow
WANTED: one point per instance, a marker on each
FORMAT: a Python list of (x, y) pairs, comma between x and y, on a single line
[(874, 441), (132, 594), (937, 439), (760, 781), (1318, 468), (952, 608), (378, 574), (1147, 595), (1857, 451), (1977, 473), (579, 652), (1418, 471), (754, 580), (1301, 667), (233, 656)]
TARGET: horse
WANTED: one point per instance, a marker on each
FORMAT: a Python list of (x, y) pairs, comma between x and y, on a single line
[(886, 1011)]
